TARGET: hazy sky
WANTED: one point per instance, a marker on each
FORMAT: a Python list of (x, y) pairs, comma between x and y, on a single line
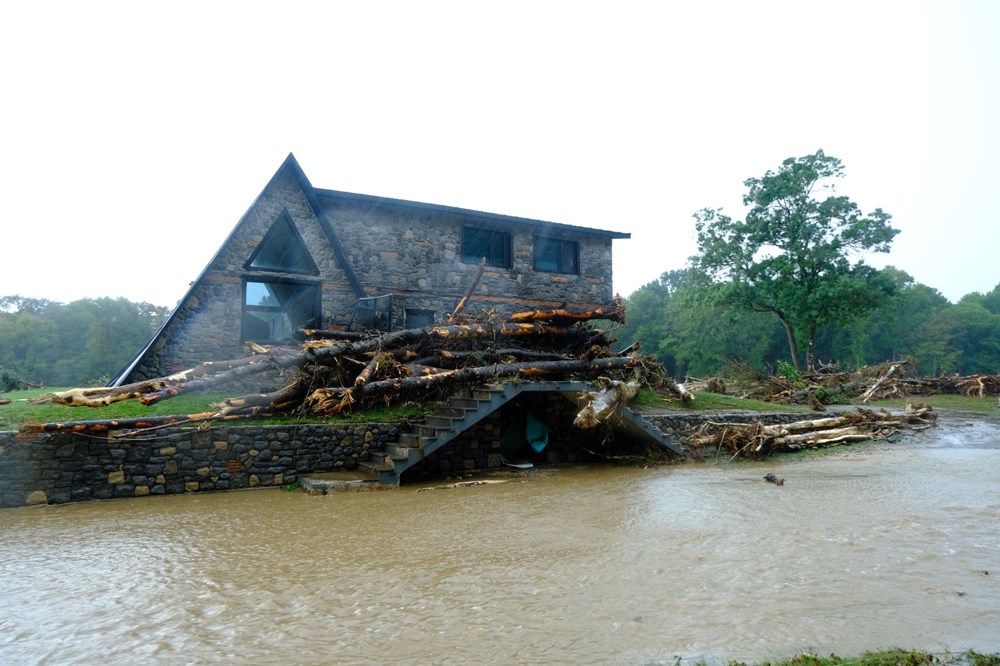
[(134, 136)]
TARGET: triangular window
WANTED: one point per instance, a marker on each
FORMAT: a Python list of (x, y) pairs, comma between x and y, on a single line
[(283, 250)]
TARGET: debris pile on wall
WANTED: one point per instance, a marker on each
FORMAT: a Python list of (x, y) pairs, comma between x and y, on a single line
[(335, 372)]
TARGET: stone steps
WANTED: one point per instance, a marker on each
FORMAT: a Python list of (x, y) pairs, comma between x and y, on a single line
[(460, 413)]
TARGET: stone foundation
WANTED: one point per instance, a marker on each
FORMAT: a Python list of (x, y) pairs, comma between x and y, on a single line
[(72, 467)]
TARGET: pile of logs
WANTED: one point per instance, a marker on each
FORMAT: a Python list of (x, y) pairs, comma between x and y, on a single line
[(830, 383), (336, 372), (755, 440)]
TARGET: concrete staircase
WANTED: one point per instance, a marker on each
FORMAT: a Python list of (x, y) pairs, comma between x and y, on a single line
[(463, 411), (460, 413)]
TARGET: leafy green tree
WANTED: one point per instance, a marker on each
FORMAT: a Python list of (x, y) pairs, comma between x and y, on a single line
[(796, 255), (82, 342), (647, 322), (936, 344), (978, 336), (900, 327), (991, 301), (694, 336), (707, 336)]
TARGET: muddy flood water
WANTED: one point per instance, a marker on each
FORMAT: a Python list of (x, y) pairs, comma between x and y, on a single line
[(863, 547)]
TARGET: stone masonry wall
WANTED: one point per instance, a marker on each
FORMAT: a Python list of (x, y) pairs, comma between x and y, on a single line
[(59, 468), (479, 447), (679, 425), (412, 253), (67, 467), (417, 256)]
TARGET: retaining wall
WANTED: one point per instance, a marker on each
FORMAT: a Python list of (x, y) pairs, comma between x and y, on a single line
[(73, 467)]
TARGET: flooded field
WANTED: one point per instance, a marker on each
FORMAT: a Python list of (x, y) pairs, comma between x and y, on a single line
[(880, 545)]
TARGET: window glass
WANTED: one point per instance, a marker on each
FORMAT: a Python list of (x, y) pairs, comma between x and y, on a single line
[(416, 318), (274, 311), (479, 242), (556, 255), (283, 249)]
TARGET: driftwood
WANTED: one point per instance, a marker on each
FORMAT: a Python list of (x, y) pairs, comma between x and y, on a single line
[(603, 403), (830, 385), (867, 395), (332, 400), (561, 316), (453, 317), (334, 374), (755, 440)]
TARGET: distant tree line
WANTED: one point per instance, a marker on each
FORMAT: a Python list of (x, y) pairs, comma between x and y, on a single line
[(47, 343), (676, 319)]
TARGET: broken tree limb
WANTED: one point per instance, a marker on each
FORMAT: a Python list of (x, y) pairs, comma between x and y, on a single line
[(279, 400), (254, 365), (755, 440), (453, 317), (95, 397), (332, 400), (560, 316), (603, 403), (445, 358), (867, 395), (368, 370), (105, 425)]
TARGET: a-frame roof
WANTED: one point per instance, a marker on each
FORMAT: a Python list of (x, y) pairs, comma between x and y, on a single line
[(319, 199)]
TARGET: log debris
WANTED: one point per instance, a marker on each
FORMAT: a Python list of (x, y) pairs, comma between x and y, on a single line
[(334, 373), (756, 440), (831, 385), (601, 404)]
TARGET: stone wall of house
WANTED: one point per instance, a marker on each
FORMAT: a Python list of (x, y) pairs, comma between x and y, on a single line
[(68, 467), (416, 255), (410, 252), (207, 324)]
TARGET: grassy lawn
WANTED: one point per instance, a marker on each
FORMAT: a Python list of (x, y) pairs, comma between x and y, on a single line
[(713, 402), (942, 403), (889, 658), (20, 411)]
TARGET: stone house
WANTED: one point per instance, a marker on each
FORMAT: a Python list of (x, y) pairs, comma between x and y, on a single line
[(308, 257)]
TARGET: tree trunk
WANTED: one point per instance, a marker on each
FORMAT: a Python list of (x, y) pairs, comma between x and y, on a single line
[(810, 351), (793, 346)]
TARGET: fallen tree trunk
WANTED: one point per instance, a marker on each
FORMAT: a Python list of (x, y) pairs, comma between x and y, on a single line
[(453, 317), (335, 399), (867, 395), (755, 440), (375, 369), (561, 316), (105, 425), (603, 403)]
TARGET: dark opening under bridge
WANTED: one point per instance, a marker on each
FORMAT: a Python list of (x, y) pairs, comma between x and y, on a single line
[(463, 411)]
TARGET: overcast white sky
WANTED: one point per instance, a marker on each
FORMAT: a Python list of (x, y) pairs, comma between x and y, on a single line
[(134, 136)]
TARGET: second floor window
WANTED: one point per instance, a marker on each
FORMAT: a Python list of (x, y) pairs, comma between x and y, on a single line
[(479, 242), (556, 255)]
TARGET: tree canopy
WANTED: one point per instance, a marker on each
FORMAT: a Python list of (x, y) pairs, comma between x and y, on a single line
[(797, 254), (55, 344), (695, 335)]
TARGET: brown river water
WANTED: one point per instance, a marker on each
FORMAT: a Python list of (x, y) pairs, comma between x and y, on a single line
[(864, 547)]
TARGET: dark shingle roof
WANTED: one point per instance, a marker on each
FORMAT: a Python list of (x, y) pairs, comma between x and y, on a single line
[(329, 196)]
